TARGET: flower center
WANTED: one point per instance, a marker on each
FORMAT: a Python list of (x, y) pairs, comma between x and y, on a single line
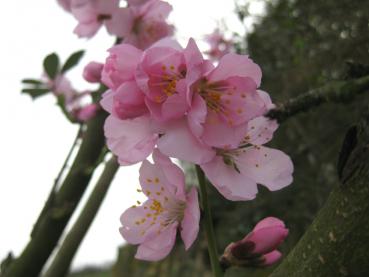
[(167, 82), (217, 96)]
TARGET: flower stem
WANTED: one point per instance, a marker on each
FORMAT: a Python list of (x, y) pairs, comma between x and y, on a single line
[(212, 245)]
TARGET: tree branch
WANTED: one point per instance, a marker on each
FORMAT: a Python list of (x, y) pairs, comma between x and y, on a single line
[(338, 91), (61, 263), (336, 243), (52, 224)]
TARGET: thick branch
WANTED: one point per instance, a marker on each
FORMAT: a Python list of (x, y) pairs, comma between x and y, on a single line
[(52, 224), (61, 263), (339, 91), (336, 244)]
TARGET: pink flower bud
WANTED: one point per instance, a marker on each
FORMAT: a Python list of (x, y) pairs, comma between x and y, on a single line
[(87, 112), (267, 235), (272, 258), (92, 72), (258, 248)]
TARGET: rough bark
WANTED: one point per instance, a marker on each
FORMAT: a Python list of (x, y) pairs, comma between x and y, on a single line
[(61, 207), (336, 242)]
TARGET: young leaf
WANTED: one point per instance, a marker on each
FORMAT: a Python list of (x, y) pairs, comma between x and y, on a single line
[(51, 65), (32, 81), (35, 92), (73, 60)]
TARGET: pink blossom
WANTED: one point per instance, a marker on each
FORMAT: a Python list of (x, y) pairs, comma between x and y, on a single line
[(65, 4), (236, 172), (154, 224), (219, 45), (121, 65), (61, 86), (162, 76), (92, 14), (87, 112), (229, 94), (258, 248), (92, 72), (143, 22)]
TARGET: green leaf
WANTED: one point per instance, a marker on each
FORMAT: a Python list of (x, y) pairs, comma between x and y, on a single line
[(32, 82), (35, 92), (73, 60), (51, 65)]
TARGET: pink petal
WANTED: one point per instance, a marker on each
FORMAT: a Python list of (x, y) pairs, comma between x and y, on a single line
[(266, 99), (158, 248), (192, 54), (87, 30), (269, 222), (260, 130), (121, 64), (121, 23), (236, 65), (92, 72), (162, 180), (157, 10), (154, 183), (135, 233), (231, 184), (178, 142), (272, 257), (106, 6), (107, 101), (269, 167), (220, 134), (131, 139), (172, 172), (129, 101), (197, 115), (191, 219), (267, 239)]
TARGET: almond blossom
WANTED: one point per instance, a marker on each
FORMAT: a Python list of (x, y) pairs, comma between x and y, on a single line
[(142, 23), (172, 98), (218, 44), (168, 209), (92, 14), (162, 77)]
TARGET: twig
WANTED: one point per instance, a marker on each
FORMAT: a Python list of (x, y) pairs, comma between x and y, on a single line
[(339, 91)]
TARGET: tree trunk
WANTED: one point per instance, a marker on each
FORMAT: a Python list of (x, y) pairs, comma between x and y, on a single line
[(336, 243)]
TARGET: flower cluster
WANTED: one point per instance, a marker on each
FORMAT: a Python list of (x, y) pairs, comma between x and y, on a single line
[(169, 101), (171, 98), (141, 23)]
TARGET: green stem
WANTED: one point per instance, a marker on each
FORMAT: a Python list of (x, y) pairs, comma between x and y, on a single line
[(57, 180), (61, 263), (58, 212), (210, 235)]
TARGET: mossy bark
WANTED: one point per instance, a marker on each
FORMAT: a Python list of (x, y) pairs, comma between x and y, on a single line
[(336, 242)]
